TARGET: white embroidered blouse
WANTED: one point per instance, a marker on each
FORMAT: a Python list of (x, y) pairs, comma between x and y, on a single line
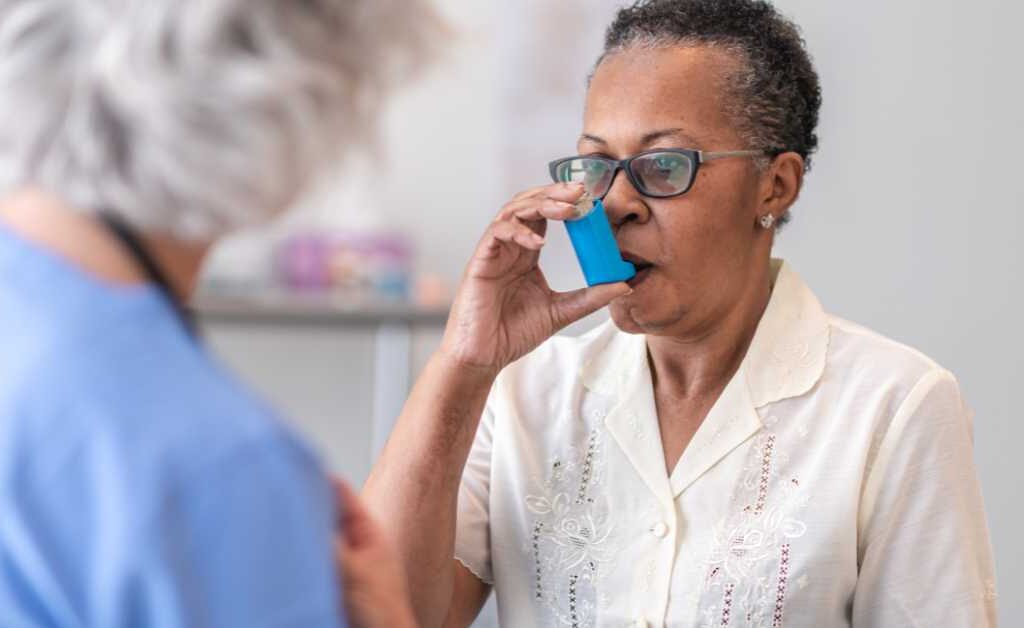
[(832, 484)]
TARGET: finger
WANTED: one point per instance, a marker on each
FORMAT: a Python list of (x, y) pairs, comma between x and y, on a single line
[(534, 191), (568, 192), (569, 307), (515, 232), (356, 522), (546, 209), (537, 209)]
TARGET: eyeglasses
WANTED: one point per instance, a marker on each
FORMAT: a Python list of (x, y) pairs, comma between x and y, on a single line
[(662, 173)]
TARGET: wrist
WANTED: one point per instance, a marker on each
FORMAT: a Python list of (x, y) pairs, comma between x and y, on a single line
[(468, 372)]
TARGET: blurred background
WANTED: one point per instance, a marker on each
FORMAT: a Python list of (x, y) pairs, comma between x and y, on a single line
[(910, 222)]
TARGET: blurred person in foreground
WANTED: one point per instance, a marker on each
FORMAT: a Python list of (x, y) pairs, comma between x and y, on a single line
[(140, 484), (723, 452)]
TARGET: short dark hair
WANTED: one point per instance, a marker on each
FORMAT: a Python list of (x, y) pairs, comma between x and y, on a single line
[(776, 95)]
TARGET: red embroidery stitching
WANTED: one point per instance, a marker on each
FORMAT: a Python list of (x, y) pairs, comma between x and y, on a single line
[(766, 469), (780, 595), (727, 604)]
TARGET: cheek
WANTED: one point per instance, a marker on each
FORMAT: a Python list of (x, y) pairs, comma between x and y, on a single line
[(714, 217)]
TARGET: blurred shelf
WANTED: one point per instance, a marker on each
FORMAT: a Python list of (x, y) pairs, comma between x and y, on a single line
[(276, 308)]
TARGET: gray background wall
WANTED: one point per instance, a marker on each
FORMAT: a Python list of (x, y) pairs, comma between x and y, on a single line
[(910, 222)]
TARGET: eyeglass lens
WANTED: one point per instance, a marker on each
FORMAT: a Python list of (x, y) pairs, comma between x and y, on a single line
[(656, 174)]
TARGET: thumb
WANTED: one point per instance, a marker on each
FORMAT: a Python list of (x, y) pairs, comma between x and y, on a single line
[(569, 307)]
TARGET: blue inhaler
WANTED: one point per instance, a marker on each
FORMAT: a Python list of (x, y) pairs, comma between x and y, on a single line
[(595, 245)]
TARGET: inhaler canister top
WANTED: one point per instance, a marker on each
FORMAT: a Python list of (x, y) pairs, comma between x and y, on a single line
[(584, 206)]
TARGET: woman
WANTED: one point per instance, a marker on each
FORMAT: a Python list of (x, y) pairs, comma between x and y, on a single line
[(140, 485), (723, 452)]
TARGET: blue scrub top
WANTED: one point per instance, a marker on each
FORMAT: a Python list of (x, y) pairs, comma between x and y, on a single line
[(140, 485)]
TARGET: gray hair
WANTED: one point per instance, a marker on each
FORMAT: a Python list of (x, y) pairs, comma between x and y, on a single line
[(194, 117)]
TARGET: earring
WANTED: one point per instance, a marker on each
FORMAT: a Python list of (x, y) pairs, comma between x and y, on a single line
[(767, 221)]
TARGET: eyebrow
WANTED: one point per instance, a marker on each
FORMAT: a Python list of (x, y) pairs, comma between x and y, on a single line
[(648, 138)]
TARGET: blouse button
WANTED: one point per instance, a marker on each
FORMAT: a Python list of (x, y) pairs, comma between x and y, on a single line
[(640, 622), (659, 529)]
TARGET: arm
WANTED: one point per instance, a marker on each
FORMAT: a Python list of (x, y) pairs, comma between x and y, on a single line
[(374, 584), (925, 556), (413, 487), (468, 598), (503, 309)]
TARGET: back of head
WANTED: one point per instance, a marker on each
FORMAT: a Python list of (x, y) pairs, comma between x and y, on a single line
[(193, 117)]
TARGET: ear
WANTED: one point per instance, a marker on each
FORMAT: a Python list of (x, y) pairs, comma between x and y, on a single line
[(781, 184)]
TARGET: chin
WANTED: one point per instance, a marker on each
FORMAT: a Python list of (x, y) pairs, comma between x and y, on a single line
[(624, 321), (640, 316)]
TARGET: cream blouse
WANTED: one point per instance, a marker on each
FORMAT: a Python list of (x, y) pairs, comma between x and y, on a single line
[(832, 484)]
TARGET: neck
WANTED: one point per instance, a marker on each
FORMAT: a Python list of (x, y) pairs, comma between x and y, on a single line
[(82, 241), (702, 363)]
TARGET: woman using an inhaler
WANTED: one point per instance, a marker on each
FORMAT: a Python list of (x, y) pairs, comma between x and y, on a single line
[(723, 452), (141, 486)]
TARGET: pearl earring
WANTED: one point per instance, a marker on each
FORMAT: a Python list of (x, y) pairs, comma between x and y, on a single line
[(767, 221)]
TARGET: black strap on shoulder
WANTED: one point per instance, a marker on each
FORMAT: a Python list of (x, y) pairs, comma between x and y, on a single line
[(133, 246)]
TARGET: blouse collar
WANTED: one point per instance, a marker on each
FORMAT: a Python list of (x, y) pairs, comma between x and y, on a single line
[(786, 359)]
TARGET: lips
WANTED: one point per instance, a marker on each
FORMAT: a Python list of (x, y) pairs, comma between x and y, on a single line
[(643, 267), (636, 260)]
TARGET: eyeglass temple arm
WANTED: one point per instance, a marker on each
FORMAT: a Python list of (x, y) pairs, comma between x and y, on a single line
[(729, 153)]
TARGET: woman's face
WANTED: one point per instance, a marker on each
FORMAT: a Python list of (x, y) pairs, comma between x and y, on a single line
[(705, 246)]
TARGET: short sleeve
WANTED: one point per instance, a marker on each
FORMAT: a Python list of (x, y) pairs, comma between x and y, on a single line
[(924, 553), (472, 528)]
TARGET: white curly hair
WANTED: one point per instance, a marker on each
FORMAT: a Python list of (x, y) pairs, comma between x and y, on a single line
[(194, 117)]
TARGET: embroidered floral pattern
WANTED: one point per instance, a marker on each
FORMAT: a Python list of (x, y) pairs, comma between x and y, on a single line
[(756, 537), (571, 537)]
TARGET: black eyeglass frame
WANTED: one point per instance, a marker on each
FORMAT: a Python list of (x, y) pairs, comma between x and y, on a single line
[(696, 157)]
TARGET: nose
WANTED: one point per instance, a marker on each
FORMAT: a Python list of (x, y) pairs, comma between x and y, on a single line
[(623, 203)]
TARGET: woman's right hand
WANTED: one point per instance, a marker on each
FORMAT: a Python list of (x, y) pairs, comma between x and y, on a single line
[(504, 307)]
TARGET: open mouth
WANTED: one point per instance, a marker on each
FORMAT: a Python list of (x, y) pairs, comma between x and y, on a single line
[(643, 267)]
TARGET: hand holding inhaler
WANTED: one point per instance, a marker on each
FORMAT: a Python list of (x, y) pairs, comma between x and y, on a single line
[(504, 307)]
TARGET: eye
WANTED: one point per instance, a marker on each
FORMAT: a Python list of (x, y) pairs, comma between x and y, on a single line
[(667, 163)]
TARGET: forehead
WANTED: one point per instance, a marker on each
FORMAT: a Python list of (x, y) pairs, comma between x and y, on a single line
[(639, 91)]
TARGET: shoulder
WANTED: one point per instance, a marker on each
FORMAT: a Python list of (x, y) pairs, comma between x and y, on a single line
[(865, 358), (905, 391), (123, 444), (142, 401), (851, 340)]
